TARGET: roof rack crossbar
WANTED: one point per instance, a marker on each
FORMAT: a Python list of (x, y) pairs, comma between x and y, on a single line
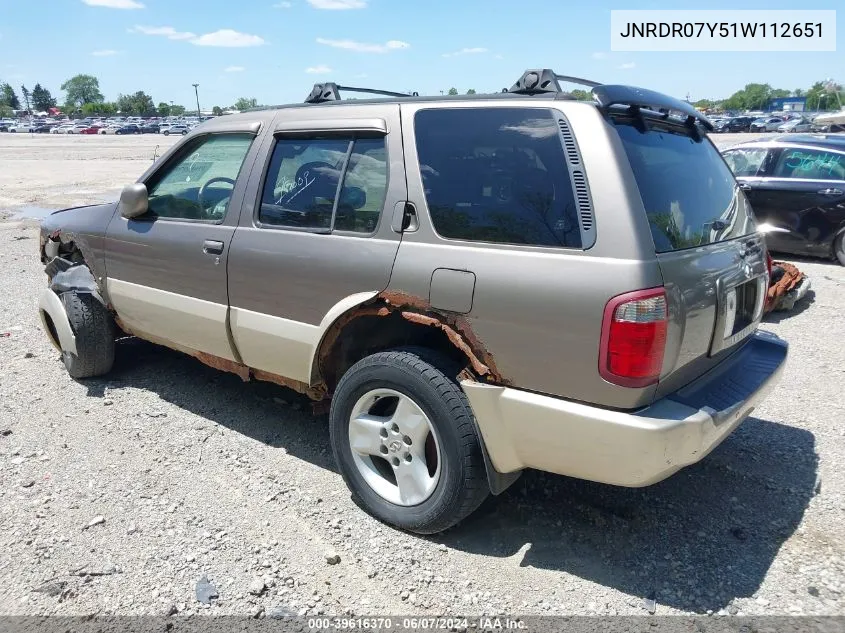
[(321, 93)]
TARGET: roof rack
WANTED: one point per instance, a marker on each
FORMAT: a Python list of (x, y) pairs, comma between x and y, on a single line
[(639, 101), (321, 93)]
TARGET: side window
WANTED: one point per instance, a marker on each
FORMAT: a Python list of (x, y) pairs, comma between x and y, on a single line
[(199, 184), (325, 184), (497, 175), (814, 164), (745, 162)]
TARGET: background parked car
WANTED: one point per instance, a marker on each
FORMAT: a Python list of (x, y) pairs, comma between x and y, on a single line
[(94, 129), (767, 124), (795, 125), (76, 129), (150, 128), (22, 127), (740, 124), (176, 129), (128, 129), (796, 184), (62, 129)]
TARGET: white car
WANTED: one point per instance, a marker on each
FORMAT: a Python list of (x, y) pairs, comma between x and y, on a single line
[(62, 129), (795, 125), (23, 127), (76, 129)]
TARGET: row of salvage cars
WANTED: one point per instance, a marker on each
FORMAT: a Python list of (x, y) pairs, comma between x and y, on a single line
[(796, 187)]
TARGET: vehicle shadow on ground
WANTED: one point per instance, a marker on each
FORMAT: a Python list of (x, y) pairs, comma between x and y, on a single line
[(274, 415), (694, 542)]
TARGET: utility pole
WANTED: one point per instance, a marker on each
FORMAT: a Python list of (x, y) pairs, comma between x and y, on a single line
[(196, 91)]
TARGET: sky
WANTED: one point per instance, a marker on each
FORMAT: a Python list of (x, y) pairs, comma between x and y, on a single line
[(275, 50)]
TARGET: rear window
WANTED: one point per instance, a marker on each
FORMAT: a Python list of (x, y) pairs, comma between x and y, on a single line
[(497, 175), (689, 194)]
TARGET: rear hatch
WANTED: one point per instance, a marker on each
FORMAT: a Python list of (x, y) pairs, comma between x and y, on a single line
[(712, 259)]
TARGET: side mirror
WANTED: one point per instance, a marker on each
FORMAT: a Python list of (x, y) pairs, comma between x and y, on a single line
[(134, 201)]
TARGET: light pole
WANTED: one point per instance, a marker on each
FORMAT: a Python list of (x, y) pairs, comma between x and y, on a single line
[(196, 91)]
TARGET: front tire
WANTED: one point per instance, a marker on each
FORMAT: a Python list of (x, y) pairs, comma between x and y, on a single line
[(403, 435), (94, 329)]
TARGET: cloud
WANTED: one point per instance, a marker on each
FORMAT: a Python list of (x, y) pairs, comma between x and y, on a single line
[(338, 5), (361, 47), (283, 5), (628, 66), (322, 69), (234, 69), (498, 56), (466, 51), (105, 53), (223, 38), (114, 4), (599, 55), (166, 31), (227, 38)]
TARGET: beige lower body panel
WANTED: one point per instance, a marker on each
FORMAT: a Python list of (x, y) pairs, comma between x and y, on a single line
[(527, 430), (187, 322)]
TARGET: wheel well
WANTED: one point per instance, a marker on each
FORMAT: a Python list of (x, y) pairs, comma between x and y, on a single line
[(51, 328), (370, 334)]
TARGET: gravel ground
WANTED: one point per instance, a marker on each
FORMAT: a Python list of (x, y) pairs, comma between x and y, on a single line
[(117, 496)]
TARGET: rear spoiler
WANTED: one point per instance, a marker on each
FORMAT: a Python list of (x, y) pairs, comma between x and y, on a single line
[(640, 99)]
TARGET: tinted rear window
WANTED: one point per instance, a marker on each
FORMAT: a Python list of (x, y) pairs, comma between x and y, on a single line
[(689, 194), (497, 175)]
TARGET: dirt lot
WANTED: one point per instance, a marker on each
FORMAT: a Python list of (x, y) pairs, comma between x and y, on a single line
[(183, 472)]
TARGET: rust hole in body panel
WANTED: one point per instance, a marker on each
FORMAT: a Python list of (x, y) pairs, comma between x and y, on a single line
[(479, 363), (417, 311)]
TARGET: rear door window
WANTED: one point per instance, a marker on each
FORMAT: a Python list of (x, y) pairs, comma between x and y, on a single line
[(690, 196), (325, 184), (810, 164), (497, 175)]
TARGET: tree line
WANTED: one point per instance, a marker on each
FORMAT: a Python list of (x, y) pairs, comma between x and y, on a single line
[(83, 96)]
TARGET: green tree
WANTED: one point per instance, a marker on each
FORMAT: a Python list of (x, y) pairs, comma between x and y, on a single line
[(581, 95), (217, 111), (6, 111), (26, 97), (704, 104), (471, 91), (163, 109), (98, 109), (245, 104), (139, 104), (453, 91), (798, 92), (8, 97), (177, 110), (42, 100), (82, 89)]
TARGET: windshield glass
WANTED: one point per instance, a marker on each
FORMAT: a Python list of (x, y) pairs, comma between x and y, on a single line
[(689, 193)]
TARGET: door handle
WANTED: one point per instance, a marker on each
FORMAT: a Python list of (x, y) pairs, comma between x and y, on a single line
[(744, 186), (830, 192), (212, 247)]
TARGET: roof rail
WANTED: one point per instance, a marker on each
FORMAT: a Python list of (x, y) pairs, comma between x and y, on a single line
[(547, 81), (322, 93)]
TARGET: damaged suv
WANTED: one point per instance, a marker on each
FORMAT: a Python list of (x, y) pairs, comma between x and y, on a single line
[(477, 284)]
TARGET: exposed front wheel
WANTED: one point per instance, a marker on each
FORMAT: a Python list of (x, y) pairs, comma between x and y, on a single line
[(839, 247), (93, 328), (403, 435)]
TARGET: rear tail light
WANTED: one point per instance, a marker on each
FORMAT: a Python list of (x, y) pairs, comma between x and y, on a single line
[(633, 338)]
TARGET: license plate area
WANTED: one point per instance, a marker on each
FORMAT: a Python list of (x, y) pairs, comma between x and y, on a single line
[(741, 309)]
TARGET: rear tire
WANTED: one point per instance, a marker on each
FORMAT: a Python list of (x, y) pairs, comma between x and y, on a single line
[(94, 329), (839, 247), (426, 380)]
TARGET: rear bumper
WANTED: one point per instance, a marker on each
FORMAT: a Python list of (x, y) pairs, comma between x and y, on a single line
[(521, 429)]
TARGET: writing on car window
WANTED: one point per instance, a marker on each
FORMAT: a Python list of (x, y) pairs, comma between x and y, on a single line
[(814, 163)]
